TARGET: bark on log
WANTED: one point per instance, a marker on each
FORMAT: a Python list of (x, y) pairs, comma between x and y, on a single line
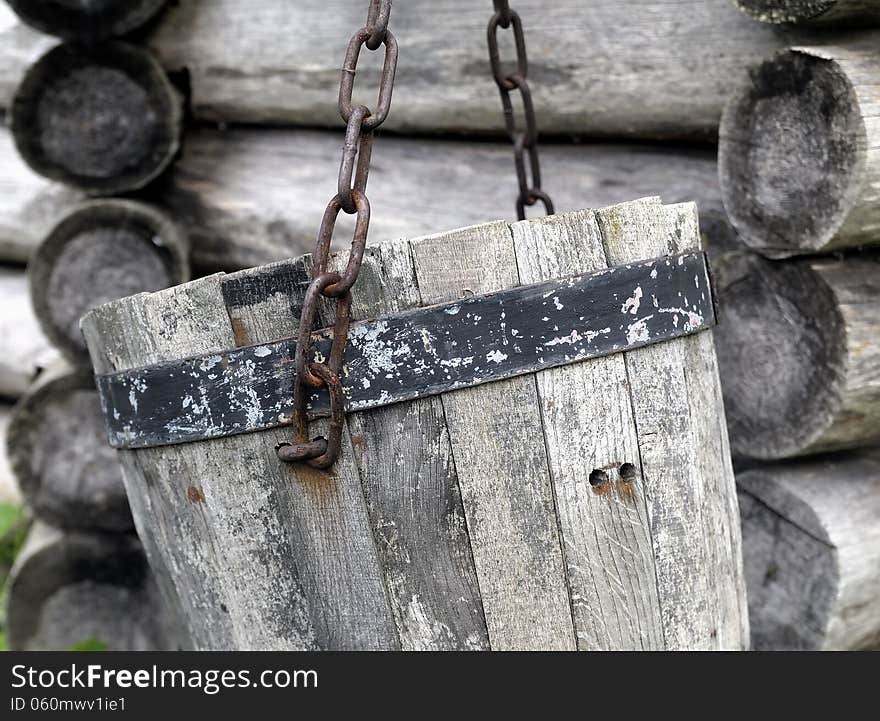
[(251, 197), (26, 350), (86, 19), (667, 75), (799, 153), (103, 250), (813, 12), (799, 354), (103, 118), (414, 583), (73, 588), (811, 547), (57, 446), (9, 492)]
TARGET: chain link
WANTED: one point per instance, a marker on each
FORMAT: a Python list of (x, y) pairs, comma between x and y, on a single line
[(525, 142), (351, 198)]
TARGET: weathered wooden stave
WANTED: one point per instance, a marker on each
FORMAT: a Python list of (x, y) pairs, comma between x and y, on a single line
[(320, 504)]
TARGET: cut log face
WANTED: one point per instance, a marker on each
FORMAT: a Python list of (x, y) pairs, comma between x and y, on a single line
[(811, 548), (440, 526), (103, 118), (56, 442), (26, 349), (74, 588), (798, 353), (86, 19), (103, 250), (798, 160), (814, 12)]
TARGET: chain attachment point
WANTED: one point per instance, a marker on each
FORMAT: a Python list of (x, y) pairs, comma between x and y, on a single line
[(354, 170)]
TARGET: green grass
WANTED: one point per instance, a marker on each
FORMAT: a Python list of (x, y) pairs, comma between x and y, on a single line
[(14, 524)]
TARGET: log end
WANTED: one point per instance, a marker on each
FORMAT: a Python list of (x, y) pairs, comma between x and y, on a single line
[(101, 251), (781, 354), (779, 12), (57, 447), (86, 20), (67, 589), (811, 552), (791, 154), (792, 576), (103, 118)]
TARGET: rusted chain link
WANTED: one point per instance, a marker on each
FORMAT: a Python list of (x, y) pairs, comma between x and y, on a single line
[(350, 198), (525, 142)]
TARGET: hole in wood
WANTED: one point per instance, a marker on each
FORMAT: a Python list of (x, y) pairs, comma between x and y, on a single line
[(628, 473), (598, 477)]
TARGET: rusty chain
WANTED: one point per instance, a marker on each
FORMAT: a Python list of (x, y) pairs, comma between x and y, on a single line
[(350, 198), (525, 142)]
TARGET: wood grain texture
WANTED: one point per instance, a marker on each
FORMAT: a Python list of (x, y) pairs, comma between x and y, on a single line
[(331, 549), (168, 508), (667, 75), (800, 362), (811, 546), (813, 12), (590, 433), (684, 459), (249, 576), (249, 197), (56, 444), (671, 557), (410, 484), (26, 350), (101, 251), (501, 460), (76, 587), (799, 153)]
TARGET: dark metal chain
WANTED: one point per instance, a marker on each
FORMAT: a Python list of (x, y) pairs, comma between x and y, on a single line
[(350, 198), (525, 142)]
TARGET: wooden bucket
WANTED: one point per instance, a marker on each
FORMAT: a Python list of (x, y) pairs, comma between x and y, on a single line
[(588, 506)]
